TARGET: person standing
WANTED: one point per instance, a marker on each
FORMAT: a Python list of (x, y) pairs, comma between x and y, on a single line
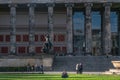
[(36, 67), (77, 70), (80, 68), (41, 69), (28, 67)]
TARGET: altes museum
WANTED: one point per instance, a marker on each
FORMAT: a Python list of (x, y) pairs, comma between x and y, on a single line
[(25, 23)]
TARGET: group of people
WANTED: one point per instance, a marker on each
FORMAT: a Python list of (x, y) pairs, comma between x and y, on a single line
[(35, 68), (79, 70)]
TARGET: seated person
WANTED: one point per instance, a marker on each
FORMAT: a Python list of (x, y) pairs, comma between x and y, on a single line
[(64, 74)]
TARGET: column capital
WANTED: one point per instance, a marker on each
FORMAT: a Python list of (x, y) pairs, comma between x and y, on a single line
[(31, 5), (88, 4), (50, 4), (12, 5), (69, 5), (107, 4)]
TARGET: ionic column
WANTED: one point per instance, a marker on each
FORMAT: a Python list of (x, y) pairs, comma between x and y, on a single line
[(69, 25), (106, 30), (118, 32), (50, 21), (88, 28), (12, 29), (31, 29)]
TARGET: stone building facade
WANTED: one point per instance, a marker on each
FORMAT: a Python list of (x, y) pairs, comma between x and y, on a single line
[(24, 24)]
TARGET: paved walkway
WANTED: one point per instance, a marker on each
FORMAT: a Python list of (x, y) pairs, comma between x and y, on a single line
[(57, 72)]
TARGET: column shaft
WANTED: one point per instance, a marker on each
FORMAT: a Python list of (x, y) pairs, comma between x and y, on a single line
[(106, 30), (31, 29), (88, 29), (12, 28), (69, 25), (50, 21)]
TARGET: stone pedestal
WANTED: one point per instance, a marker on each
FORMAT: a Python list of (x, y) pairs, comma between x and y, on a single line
[(116, 64), (47, 62), (113, 71)]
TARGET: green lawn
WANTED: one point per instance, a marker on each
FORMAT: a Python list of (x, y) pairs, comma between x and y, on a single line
[(57, 77)]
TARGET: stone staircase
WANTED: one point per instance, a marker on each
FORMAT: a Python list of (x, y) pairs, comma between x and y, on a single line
[(90, 63)]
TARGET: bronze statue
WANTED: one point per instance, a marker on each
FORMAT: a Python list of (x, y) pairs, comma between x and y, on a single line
[(47, 46)]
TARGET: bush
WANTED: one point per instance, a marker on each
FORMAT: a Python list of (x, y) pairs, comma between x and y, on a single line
[(12, 69)]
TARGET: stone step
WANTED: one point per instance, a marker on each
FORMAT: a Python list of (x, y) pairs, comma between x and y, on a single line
[(112, 71), (108, 72), (90, 63), (115, 70)]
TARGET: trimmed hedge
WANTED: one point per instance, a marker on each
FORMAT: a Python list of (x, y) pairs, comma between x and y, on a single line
[(12, 69)]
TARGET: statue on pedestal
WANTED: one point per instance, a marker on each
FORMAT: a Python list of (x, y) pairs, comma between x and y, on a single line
[(47, 45)]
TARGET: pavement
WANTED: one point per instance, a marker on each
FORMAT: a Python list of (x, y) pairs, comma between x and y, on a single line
[(58, 72), (55, 72)]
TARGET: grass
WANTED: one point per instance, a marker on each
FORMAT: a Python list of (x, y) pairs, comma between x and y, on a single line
[(19, 76)]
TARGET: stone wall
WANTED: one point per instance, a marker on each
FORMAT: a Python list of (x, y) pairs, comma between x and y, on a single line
[(45, 60), (19, 62)]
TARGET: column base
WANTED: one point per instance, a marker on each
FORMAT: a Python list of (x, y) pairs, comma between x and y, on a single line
[(88, 53), (31, 53), (13, 53)]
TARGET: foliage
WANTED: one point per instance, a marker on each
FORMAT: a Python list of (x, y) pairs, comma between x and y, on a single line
[(12, 69)]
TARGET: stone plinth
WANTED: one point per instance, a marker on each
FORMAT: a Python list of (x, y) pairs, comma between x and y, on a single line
[(47, 61), (113, 71), (116, 64)]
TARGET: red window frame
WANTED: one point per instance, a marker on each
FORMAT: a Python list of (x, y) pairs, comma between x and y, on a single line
[(55, 37), (64, 49), (4, 49), (57, 49), (21, 49), (42, 37), (38, 49), (36, 38), (61, 37), (7, 38), (1, 38), (25, 38), (18, 38)]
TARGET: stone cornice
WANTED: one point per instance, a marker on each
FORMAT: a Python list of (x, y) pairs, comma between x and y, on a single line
[(56, 1)]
